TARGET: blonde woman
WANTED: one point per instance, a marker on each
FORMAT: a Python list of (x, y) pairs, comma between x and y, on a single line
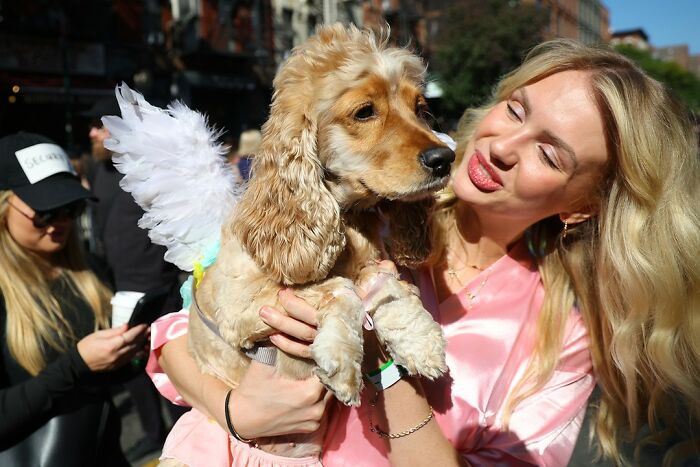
[(55, 407), (566, 254)]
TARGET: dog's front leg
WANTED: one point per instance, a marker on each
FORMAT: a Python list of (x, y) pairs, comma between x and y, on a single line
[(410, 334), (337, 348)]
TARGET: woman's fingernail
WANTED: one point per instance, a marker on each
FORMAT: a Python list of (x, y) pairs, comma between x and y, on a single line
[(264, 313), (274, 337)]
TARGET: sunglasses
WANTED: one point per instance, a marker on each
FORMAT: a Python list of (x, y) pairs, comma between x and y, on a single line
[(43, 219)]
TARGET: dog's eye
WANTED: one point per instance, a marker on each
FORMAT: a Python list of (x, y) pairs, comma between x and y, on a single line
[(365, 113), (423, 111)]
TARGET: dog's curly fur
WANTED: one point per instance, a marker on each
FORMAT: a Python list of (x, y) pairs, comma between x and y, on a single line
[(340, 153)]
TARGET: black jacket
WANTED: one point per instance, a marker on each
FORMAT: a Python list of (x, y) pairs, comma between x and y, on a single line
[(64, 415), (134, 263)]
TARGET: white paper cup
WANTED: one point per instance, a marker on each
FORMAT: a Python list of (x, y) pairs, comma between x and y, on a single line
[(123, 304)]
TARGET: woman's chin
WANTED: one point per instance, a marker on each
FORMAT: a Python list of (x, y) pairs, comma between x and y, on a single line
[(51, 245)]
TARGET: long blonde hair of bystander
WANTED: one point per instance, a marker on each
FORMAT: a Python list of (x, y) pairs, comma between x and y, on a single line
[(33, 314), (634, 269)]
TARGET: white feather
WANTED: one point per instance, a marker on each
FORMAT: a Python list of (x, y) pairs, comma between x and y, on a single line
[(176, 171), (447, 139)]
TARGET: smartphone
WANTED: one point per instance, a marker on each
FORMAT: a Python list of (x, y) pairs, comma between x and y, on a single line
[(150, 306)]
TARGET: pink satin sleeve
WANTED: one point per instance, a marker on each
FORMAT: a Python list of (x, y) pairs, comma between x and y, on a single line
[(195, 440), (163, 330)]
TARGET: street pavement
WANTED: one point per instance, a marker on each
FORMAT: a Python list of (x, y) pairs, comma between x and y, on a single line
[(131, 428)]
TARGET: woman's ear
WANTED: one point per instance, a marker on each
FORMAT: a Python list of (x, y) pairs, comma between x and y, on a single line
[(408, 243), (287, 219)]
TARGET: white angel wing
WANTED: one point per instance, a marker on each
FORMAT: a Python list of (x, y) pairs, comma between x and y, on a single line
[(176, 171)]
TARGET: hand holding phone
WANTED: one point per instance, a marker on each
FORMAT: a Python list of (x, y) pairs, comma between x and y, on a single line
[(149, 307)]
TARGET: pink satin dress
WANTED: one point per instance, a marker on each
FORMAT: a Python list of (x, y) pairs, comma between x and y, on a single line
[(490, 340)]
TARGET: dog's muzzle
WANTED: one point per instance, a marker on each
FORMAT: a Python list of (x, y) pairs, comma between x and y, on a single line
[(437, 160)]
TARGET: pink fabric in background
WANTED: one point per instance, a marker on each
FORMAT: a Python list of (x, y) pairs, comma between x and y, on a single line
[(164, 329)]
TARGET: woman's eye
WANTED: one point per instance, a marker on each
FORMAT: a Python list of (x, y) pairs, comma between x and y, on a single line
[(547, 158), (365, 113), (513, 112)]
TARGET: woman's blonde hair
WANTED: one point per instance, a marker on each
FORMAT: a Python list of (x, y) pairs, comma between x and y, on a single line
[(634, 269), (34, 316)]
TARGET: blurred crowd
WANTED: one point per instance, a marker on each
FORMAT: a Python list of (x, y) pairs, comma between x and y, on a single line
[(75, 270)]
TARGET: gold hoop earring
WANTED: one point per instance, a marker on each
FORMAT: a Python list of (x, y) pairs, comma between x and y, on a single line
[(566, 229)]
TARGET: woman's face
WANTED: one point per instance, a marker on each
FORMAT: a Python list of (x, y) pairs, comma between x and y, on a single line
[(45, 241), (538, 153)]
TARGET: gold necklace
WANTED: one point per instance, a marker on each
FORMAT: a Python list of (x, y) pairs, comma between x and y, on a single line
[(453, 272), (471, 296)]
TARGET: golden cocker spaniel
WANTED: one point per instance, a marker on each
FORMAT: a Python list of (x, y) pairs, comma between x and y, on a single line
[(346, 156)]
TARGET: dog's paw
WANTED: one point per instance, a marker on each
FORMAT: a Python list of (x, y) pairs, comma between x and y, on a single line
[(343, 377), (412, 337), (428, 361), (424, 355), (346, 386), (337, 352)]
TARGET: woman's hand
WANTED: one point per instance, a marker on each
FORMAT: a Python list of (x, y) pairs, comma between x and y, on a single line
[(256, 408), (108, 349), (268, 404), (296, 324), (264, 403)]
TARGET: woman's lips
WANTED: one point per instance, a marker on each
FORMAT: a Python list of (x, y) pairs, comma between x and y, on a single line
[(482, 174)]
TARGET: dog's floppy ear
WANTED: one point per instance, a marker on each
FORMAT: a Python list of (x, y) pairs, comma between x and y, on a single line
[(409, 242), (287, 219)]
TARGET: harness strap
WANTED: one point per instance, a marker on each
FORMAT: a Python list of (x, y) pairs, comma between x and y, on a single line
[(262, 353)]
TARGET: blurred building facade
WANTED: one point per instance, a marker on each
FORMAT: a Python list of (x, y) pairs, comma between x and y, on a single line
[(635, 37), (222, 58), (296, 20), (675, 53), (585, 20), (57, 57), (219, 56), (679, 54)]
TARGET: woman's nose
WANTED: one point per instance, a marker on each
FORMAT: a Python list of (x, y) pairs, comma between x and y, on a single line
[(505, 148)]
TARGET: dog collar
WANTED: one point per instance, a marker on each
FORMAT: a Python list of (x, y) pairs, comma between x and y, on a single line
[(262, 353)]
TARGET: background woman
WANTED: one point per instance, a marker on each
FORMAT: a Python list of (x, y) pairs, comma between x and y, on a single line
[(565, 254), (55, 407)]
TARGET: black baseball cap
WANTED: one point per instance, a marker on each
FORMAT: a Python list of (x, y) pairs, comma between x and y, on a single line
[(38, 171)]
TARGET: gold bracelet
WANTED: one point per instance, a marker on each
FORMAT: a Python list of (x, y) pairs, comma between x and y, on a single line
[(375, 428)]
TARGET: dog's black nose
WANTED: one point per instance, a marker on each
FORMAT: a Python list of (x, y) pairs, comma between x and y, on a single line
[(438, 160)]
